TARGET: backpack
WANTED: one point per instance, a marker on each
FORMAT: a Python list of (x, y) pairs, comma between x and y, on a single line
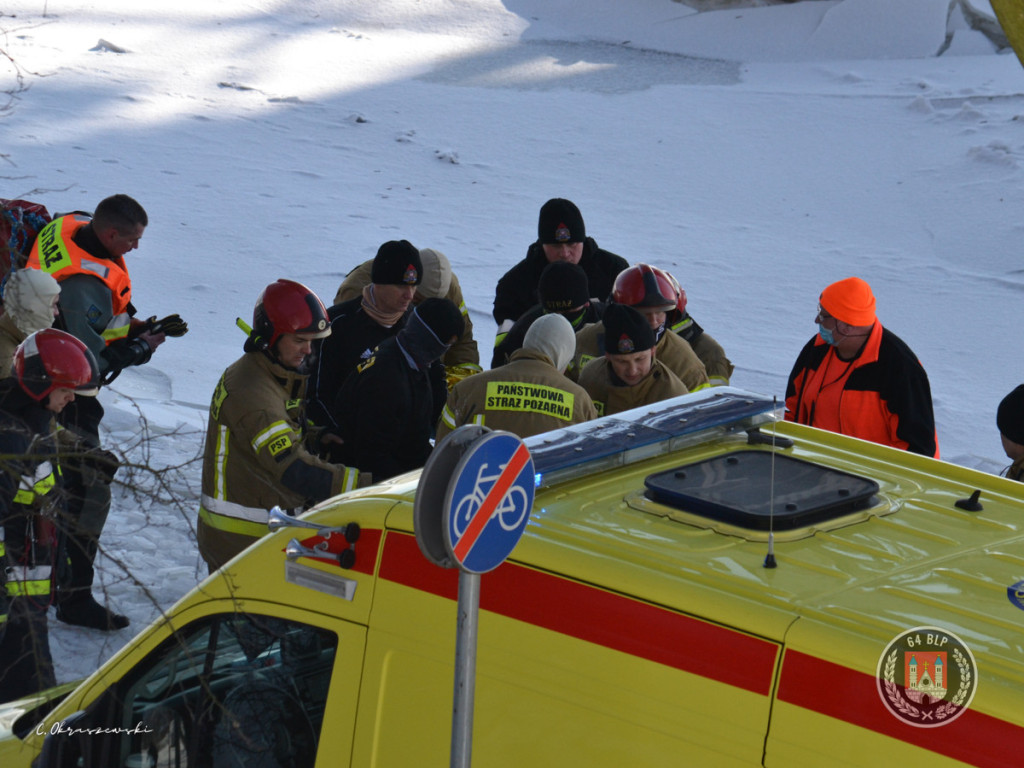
[(20, 223)]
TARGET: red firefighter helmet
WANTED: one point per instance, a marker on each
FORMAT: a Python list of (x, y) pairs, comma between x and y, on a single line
[(681, 301), (288, 307), (645, 287), (49, 359)]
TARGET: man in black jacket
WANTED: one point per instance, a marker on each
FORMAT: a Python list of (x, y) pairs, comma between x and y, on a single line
[(386, 411), (561, 236), (563, 290), (360, 324)]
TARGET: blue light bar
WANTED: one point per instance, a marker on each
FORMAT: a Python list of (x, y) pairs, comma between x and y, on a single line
[(638, 434)]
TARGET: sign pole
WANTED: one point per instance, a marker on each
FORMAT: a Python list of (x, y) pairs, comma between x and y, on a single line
[(472, 505), (465, 669)]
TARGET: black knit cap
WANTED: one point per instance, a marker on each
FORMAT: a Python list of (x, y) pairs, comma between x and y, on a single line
[(560, 222), (626, 331), (1010, 416), (442, 317), (563, 286), (397, 263)]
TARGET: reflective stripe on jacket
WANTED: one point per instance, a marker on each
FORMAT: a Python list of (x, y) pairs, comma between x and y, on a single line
[(255, 446)]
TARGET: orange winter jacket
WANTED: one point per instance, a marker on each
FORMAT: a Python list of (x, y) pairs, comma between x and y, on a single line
[(882, 395)]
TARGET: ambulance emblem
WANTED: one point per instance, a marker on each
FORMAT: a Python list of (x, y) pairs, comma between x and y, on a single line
[(927, 677)]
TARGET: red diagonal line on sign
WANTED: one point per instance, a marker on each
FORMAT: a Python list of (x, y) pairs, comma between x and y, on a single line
[(490, 503)]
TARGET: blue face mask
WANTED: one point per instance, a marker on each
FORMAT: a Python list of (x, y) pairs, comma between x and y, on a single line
[(826, 335)]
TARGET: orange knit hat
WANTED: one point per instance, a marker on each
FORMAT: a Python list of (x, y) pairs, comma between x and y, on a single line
[(850, 301)]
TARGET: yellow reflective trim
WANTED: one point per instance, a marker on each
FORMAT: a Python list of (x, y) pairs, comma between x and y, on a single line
[(220, 394), (41, 487), (220, 462), (233, 524), (32, 588), (448, 418), (277, 439), (529, 398), (111, 335), (349, 480), (599, 406)]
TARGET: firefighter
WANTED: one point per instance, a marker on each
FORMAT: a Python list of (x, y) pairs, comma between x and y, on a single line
[(48, 368), (629, 374), (259, 453), (719, 368), (563, 288), (529, 394), (86, 256), (651, 292), (561, 236)]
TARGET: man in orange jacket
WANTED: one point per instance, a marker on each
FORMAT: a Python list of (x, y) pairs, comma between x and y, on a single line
[(859, 379)]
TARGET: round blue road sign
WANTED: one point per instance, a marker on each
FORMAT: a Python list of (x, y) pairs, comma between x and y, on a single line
[(489, 501)]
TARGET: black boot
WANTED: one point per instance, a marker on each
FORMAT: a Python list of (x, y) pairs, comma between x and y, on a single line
[(75, 603), (81, 609)]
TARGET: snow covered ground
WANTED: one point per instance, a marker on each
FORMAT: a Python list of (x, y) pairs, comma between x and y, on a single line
[(758, 153)]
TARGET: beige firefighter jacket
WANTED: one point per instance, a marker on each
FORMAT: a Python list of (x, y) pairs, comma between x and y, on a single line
[(256, 457), (671, 350), (527, 396), (659, 384)]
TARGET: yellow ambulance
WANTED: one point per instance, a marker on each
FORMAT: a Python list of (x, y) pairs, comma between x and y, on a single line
[(698, 584)]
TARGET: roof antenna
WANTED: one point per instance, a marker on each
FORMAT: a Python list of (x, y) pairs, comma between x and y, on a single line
[(769, 559)]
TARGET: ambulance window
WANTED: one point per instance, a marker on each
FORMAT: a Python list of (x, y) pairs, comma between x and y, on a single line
[(235, 689), (757, 490)]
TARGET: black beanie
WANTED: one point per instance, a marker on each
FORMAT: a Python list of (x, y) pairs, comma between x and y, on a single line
[(1010, 416), (426, 333), (560, 222), (626, 331), (442, 317), (563, 286), (397, 263)]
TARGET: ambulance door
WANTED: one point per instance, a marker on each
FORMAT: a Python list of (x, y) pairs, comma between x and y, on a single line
[(238, 683)]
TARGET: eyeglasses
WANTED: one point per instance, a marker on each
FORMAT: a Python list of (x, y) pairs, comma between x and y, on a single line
[(822, 315)]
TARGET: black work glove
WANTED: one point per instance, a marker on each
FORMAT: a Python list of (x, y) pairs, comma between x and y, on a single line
[(103, 462), (172, 325)]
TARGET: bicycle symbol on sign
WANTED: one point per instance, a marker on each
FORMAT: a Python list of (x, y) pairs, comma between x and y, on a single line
[(510, 511)]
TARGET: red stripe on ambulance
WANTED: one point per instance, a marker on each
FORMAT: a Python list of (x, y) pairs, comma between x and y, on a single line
[(596, 616), (974, 737)]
